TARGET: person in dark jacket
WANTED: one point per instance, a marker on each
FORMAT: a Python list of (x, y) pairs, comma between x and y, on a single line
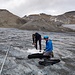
[(49, 47), (36, 37)]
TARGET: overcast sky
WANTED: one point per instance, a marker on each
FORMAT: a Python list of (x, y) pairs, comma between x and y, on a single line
[(27, 7)]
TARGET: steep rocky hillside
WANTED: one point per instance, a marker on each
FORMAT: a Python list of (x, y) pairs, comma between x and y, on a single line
[(45, 22), (42, 22), (66, 18), (8, 19)]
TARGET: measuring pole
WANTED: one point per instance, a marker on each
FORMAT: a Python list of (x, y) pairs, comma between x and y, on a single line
[(4, 61)]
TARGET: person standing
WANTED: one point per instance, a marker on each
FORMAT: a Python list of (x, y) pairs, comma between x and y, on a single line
[(36, 37)]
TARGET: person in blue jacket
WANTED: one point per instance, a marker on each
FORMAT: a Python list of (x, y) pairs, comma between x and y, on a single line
[(49, 47)]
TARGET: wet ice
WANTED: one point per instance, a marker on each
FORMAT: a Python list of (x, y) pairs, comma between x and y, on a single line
[(20, 41)]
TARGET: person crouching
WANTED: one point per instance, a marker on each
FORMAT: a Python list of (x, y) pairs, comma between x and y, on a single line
[(49, 47)]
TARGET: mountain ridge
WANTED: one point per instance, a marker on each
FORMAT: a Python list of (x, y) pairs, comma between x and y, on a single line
[(42, 21)]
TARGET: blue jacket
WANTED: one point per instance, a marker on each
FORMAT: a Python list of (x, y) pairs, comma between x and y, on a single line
[(49, 46)]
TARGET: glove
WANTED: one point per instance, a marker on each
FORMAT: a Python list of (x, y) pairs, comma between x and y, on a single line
[(44, 49), (33, 43)]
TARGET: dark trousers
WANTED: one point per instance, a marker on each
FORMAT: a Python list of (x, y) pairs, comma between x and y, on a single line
[(39, 44)]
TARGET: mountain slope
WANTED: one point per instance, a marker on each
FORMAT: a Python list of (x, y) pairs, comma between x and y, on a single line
[(8, 19), (44, 22)]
